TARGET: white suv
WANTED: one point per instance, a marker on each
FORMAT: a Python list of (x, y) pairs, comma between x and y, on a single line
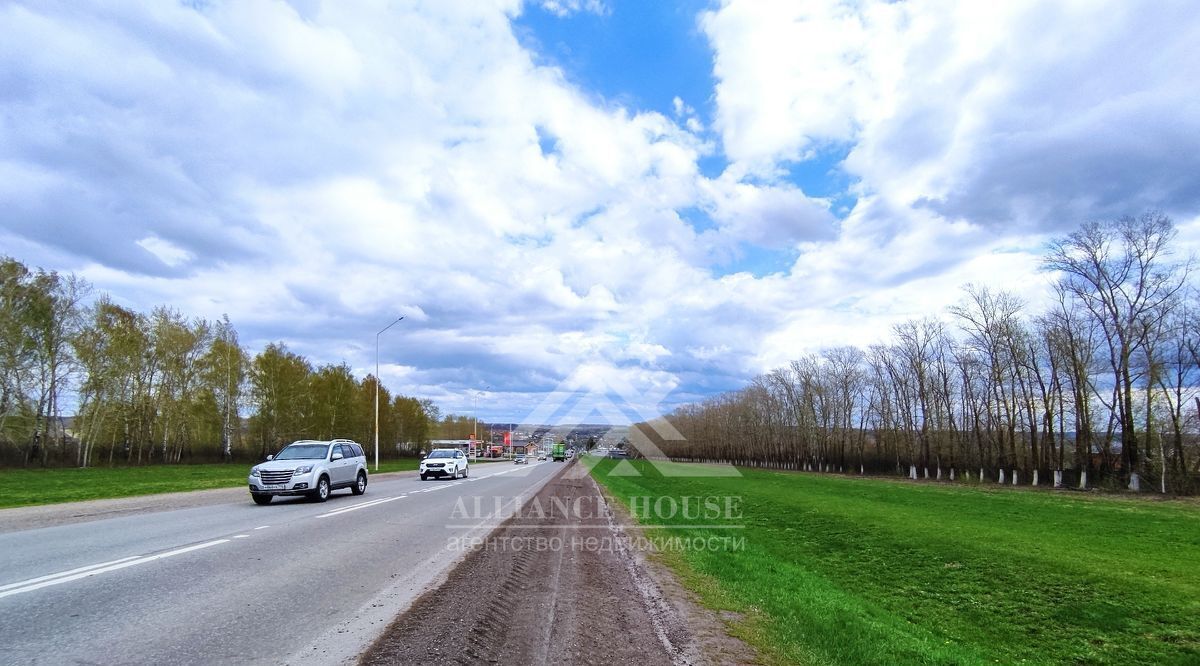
[(310, 467), (449, 463)]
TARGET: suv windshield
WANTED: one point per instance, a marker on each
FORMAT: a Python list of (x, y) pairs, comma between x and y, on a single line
[(303, 452), (441, 454)]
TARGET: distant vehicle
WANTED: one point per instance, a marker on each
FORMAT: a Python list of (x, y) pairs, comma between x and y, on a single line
[(541, 456), (520, 459), (313, 468), (559, 452), (450, 463)]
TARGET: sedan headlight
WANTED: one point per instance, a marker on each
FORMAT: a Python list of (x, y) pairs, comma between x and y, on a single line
[(254, 471), (303, 469)]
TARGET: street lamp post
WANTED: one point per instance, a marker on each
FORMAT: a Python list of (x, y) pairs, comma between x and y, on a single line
[(377, 388), (475, 416)]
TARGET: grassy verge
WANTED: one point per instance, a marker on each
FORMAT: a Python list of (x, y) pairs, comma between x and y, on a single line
[(27, 487), (851, 571)]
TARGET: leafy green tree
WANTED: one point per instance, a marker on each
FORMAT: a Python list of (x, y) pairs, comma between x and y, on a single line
[(16, 352), (225, 367), (180, 345), (279, 389), (334, 391)]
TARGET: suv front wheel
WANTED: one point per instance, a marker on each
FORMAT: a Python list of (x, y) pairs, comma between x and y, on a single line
[(322, 492)]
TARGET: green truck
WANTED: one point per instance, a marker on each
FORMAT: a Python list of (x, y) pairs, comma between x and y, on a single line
[(559, 452)]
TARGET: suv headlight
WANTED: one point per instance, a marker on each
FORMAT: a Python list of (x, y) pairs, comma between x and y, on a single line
[(254, 471), (303, 469)]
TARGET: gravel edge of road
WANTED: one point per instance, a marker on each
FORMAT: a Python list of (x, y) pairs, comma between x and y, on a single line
[(687, 633), (705, 637), (344, 644)]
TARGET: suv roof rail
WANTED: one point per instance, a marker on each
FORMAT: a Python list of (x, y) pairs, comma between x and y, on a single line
[(343, 441)]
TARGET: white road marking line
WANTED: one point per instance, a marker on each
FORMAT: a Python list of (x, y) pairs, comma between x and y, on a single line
[(360, 505), (356, 507), (30, 585), (241, 536), (262, 527), (66, 573)]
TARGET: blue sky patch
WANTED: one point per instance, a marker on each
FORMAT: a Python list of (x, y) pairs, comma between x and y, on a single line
[(639, 54)]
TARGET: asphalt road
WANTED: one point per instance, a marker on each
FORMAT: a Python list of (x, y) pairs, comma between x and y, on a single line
[(284, 583)]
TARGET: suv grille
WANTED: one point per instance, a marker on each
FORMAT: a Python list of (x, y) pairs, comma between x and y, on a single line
[(275, 477), (432, 465)]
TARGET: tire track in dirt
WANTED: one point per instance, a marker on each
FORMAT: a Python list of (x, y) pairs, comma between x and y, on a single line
[(511, 603)]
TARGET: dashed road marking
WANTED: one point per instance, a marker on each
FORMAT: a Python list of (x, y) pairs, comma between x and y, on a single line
[(67, 576), (356, 507)]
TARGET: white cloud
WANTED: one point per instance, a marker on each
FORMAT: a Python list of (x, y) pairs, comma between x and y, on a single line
[(316, 169), (772, 216), (972, 132), (564, 8), (1022, 112), (788, 76), (165, 251)]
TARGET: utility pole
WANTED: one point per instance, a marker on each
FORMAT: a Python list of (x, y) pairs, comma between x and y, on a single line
[(377, 388)]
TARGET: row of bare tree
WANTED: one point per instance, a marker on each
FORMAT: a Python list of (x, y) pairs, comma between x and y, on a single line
[(1102, 383), (162, 388)]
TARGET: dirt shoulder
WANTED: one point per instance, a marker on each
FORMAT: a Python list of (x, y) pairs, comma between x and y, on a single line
[(553, 585)]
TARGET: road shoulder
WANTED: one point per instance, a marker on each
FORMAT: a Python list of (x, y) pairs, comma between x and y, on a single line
[(696, 633), (518, 599)]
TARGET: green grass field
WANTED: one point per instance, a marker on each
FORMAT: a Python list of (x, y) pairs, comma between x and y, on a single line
[(26, 487), (838, 570)]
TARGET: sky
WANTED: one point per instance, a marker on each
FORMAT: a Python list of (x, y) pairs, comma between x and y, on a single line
[(637, 204)]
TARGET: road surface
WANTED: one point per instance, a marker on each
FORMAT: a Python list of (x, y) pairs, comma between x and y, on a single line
[(235, 582)]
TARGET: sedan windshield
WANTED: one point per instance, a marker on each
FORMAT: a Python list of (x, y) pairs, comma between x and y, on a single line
[(441, 454), (303, 452)]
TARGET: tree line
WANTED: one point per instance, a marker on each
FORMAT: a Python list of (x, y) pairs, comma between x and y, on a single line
[(87, 381), (1098, 388)]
